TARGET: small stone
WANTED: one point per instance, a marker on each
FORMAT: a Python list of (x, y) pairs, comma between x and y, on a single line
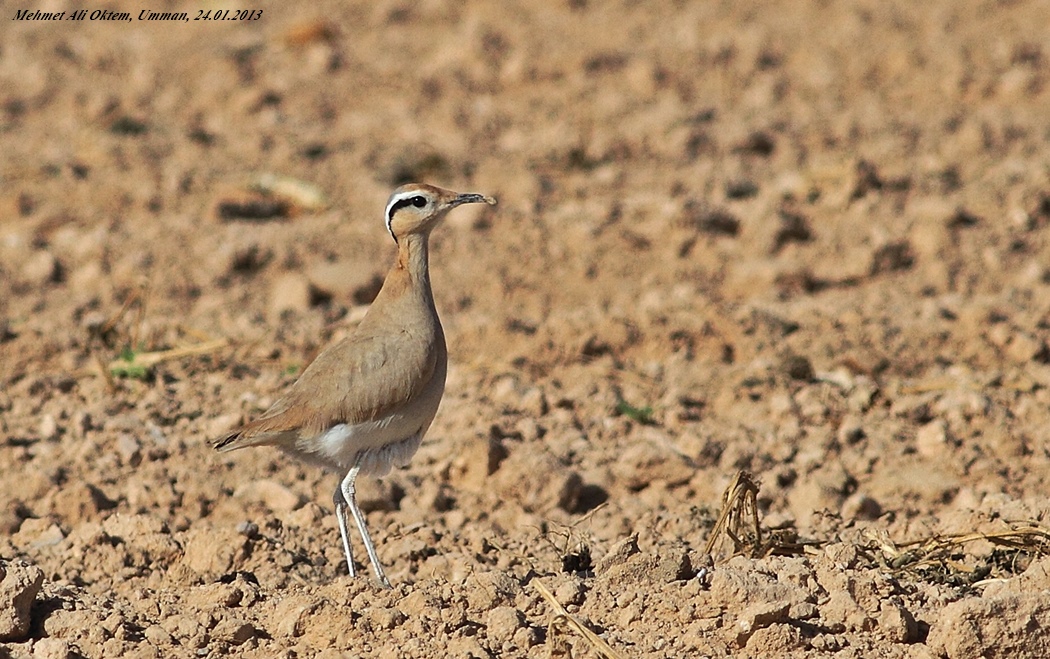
[(758, 616), (248, 529), (932, 439), (42, 268), (897, 623), (538, 481), (48, 427), (38, 532), (50, 648), (502, 623), (87, 278), (65, 623), (776, 640), (289, 292), (233, 631), (292, 613), (271, 494), (19, 585), (491, 589), (417, 604), (375, 494), (76, 501), (214, 551), (851, 430), (11, 516), (345, 279), (527, 637), (534, 403), (670, 563), (129, 449), (527, 428), (479, 458), (824, 488), (892, 257), (185, 629), (861, 506), (618, 554), (311, 514), (156, 635), (128, 527), (652, 460), (797, 367), (385, 617), (1014, 627), (1023, 348)]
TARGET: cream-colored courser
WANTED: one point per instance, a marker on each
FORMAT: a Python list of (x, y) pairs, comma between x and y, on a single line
[(365, 403)]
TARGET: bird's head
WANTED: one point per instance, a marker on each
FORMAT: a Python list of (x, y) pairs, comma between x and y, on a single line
[(417, 207)]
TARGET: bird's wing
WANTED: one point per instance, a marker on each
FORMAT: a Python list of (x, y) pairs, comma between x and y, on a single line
[(361, 378)]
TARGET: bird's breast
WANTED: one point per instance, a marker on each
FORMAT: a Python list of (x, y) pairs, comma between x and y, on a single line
[(339, 446)]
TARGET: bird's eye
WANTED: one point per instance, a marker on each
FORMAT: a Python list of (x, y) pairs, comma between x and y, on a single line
[(419, 202)]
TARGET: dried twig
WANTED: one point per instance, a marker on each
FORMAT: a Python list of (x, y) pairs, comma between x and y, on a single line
[(563, 619), (738, 501), (150, 359)]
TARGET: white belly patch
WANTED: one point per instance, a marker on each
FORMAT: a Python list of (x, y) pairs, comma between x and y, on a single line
[(375, 444)]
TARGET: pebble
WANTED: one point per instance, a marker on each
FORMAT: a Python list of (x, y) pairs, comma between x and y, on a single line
[(897, 623), (233, 631), (19, 585), (129, 449), (797, 367), (212, 552), (48, 427), (931, 440), (647, 462), (271, 494), (502, 623), (487, 590), (341, 278), (87, 278), (539, 482), (291, 615), (289, 292), (37, 533), (50, 648), (157, 635), (42, 268), (1016, 626), (618, 554), (760, 615), (861, 506)]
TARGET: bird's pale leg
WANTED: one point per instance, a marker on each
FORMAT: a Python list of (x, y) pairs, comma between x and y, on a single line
[(340, 514), (350, 496)]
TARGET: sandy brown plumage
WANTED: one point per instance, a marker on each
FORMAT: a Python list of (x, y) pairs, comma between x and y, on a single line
[(386, 362), (365, 403)]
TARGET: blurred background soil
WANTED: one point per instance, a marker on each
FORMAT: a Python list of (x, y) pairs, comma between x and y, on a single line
[(806, 240)]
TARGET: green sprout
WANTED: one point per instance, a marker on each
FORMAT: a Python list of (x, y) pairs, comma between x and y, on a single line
[(128, 365), (643, 415)]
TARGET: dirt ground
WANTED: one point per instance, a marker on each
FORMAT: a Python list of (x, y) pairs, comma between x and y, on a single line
[(805, 240)]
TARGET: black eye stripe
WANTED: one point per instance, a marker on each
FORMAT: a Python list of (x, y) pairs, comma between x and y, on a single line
[(418, 201)]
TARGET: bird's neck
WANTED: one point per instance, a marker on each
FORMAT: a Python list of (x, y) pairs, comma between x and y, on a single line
[(405, 296), (413, 260)]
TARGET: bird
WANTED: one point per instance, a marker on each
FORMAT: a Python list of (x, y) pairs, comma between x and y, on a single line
[(365, 403)]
